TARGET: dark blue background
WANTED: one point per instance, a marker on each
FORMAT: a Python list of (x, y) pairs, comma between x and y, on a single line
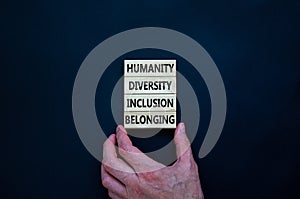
[(254, 43)]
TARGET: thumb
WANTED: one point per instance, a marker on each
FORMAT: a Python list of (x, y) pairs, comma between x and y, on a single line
[(182, 143)]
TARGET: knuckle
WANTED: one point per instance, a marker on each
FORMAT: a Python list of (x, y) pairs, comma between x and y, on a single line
[(122, 152), (130, 179), (124, 147), (126, 178), (125, 150), (110, 194), (105, 164), (106, 182)]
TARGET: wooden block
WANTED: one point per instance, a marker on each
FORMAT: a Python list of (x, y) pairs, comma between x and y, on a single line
[(150, 119), (150, 93), (150, 85), (161, 102), (154, 68)]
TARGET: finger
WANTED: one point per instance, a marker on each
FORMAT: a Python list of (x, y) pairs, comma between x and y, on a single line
[(112, 164), (112, 184), (136, 158), (182, 143), (114, 196), (109, 150)]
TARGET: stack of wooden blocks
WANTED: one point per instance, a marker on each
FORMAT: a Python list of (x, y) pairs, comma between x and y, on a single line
[(150, 93)]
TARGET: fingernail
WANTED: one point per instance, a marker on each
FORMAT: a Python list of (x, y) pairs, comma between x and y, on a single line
[(112, 136), (182, 127), (121, 128)]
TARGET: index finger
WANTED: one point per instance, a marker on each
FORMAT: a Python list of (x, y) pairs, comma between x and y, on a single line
[(109, 150), (114, 165), (137, 159)]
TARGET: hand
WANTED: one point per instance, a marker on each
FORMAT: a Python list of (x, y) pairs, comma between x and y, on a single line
[(135, 175)]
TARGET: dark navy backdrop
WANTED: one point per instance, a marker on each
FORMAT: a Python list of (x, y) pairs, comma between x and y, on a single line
[(254, 43)]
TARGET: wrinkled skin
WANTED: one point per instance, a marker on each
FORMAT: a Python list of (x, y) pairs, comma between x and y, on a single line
[(135, 175)]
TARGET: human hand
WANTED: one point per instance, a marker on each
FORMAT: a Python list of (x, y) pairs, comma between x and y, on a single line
[(135, 175)]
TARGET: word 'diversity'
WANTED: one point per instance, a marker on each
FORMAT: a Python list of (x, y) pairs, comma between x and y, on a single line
[(150, 93)]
